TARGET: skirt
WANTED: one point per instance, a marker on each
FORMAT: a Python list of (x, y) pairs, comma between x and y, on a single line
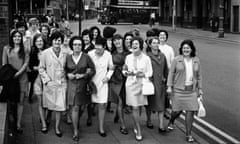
[(184, 100)]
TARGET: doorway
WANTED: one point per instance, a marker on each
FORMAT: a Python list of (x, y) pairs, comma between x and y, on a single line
[(235, 18)]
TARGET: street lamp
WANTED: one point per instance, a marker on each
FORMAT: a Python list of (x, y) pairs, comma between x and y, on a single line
[(80, 17), (221, 18), (174, 16)]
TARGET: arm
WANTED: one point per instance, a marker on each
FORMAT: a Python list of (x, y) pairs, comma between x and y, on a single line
[(199, 80), (91, 68), (171, 76), (42, 70), (4, 55), (165, 70), (149, 71), (110, 68), (24, 66)]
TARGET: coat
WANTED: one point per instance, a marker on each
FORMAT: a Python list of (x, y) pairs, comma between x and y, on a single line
[(160, 72), (76, 88), (51, 70)]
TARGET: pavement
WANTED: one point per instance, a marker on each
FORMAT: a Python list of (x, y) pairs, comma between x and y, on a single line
[(88, 135)]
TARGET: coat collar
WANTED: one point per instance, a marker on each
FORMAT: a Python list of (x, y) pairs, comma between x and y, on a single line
[(153, 57)]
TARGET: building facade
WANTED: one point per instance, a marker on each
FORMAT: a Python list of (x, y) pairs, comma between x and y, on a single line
[(201, 13)]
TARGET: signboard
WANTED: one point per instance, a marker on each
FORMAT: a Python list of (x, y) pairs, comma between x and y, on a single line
[(130, 2)]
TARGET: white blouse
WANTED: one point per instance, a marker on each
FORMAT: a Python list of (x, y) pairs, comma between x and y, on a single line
[(189, 72)]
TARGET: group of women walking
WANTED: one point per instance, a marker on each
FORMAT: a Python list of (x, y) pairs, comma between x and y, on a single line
[(92, 70)]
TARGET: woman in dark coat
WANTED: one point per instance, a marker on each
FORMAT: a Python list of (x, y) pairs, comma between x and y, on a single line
[(117, 81), (79, 69), (156, 102)]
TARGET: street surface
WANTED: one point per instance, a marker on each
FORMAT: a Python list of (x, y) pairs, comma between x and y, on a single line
[(220, 68)]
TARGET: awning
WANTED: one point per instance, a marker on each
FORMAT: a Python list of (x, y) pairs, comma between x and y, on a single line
[(134, 7)]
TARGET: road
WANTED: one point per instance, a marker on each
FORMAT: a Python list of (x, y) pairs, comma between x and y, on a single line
[(221, 75)]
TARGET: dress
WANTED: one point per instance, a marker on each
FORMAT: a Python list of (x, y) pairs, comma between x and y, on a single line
[(76, 89), (103, 65), (51, 70), (14, 60), (133, 84), (156, 102), (117, 81)]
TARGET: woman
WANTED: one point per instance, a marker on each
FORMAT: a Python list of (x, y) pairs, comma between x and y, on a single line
[(127, 41), (65, 46), (39, 44), (45, 31), (95, 34), (104, 70), (51, 70), (16, 55), (137, 66), (117, 81), (79, 69), (156, 102), (185, 84)]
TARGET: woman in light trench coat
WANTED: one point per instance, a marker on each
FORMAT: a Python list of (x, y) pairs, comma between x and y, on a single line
[(51, 70)]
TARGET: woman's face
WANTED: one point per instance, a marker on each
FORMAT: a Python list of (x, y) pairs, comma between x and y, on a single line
[(77, 46), (99, 49), (186, 50), (17, 38), (95, 33), (86, 39), (22, 30), (57, 43), (39, 43), (118, 43), (66, 40), (154, 44), (162, 37), (45, 31), (109, 43), (128, 41), (135, 47)]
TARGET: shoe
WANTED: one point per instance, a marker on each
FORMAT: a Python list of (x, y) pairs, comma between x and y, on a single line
[(149, 125), (58, 134), (75, 138), (162, 130), (170, 127), (123, 130), (110, 110), (19, 130), (189, 139), (102, 134), (116, 119), (137, 137), (166, 116), (44, 130), (89, 122)]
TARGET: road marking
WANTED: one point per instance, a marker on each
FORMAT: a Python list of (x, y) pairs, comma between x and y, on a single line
[(207, 133), (215, 129)]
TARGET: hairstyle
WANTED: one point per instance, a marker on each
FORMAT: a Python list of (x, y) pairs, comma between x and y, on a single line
[(46, 26), (56, 35), (34, 48), (156, 31), (117, 36), (127, 34), (73, 39), (166, 33), (150, 42), (86, 32), (101, 41), (91, 32), (21, 52), (21, 24), (139, 39), (150, 33), (191, 45)]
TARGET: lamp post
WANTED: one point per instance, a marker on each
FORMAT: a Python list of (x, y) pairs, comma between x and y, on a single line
[(80, 17), (174, 16), (221, 18)]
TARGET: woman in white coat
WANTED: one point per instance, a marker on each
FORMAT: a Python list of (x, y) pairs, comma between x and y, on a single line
[(102, 60), (51, 70), (137, 66)]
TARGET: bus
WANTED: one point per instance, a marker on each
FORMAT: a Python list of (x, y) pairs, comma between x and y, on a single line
[(135, 14)]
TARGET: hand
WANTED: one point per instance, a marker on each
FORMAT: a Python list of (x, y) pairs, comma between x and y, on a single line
[(35, 68), (71, 76), (140, 74), (129, 73), (16, 75), (105, 80), (200, 94), (169, 90), (79, 76)]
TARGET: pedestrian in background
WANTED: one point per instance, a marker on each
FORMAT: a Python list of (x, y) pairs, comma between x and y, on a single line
[(156, 102), (104, 70), (137, 66), (79, 69), (51, 70), (95, 34), (45, 31), (16, 55), (185, 85), (127, 41)]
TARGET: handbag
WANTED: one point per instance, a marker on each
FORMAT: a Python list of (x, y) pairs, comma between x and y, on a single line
[(147, 87), (201, 109)]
